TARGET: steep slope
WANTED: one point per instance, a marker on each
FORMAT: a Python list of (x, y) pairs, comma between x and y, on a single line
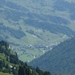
[(11, 65), (32, 26), (9, 61), (59, 60)]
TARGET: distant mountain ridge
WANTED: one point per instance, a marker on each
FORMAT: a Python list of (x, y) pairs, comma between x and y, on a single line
[(59, 60)]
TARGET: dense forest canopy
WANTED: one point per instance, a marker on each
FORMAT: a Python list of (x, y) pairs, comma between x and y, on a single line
[(9, 63), (60, 59)]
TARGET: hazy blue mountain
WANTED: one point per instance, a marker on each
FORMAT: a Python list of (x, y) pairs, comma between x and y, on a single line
[(32, 24), (59, 60)]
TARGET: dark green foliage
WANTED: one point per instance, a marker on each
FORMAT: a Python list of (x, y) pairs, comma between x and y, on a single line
[(26, 70), (47, 73), (14, 59), (40, 72), (1, 64), (4, 47), (3, 43), (21, 71), (60, 60), (11, 64), (8, 56)]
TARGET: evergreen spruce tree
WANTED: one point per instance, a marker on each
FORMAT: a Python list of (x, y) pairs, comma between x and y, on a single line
[(21, 71)]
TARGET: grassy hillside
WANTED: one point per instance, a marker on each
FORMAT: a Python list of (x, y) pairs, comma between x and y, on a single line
[(28, 25), (11, 65), (1, 73), (9, 61), (59, 60)]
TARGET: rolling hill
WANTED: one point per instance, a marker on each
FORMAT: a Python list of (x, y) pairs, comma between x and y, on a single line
[(60, 60), (34, 27)]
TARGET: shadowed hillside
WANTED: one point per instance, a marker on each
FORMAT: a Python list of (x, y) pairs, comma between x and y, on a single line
[(59, 60)]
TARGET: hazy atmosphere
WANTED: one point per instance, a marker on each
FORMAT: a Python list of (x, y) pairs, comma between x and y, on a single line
[(37, 37)]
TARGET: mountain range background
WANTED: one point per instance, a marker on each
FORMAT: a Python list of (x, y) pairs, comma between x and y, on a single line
[(39, 30), (35, 27)]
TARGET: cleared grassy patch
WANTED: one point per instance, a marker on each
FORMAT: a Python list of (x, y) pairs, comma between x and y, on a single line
[(26, 58), (1, 73)]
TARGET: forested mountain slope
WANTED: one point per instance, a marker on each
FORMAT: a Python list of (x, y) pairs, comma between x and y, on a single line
[(60, 60), (30, 26), (11, 65)]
